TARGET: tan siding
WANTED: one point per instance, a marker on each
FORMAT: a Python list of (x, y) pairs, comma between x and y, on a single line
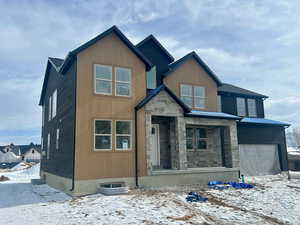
[(191, 73), (98, 164)]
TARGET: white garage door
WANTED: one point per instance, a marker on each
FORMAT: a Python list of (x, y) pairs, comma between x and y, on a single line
[(258, 160)]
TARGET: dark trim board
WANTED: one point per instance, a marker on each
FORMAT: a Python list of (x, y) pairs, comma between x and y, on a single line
[(264, 134)]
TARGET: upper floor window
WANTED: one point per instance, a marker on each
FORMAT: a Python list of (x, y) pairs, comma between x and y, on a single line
[(193, 96), (103, 79), (251, 107), (219, 103), (48, 146), (50, 108), (151, 78), (241, 106), (57, 138), (123, 81), (54, 103)]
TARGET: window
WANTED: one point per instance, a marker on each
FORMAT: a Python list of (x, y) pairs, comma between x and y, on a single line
[(54, 103), (199, 97), (57, 138), (151, 78), (42, 146), (251, 107), (48, 146), (186, 92), (103, 134), (123, 80), (103, 79), (123, 135), (241, 106), (196, 138), (49, 109), (43, 115), (219, 103)]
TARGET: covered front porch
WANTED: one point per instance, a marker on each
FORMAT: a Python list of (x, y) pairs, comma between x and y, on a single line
[(181, 143)]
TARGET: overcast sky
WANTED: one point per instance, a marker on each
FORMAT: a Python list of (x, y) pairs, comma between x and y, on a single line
[(252, 44)]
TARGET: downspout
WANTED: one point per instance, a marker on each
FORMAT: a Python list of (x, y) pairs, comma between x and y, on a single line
[(74, 141), (136, 149)]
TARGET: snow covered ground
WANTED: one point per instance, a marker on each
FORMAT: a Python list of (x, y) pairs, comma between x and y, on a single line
[(274, 200)]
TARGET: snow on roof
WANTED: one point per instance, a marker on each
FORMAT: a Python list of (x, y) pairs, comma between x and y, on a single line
[(263, 121), (212, 115)]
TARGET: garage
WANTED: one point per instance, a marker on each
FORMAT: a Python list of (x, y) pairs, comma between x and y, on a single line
[(259, 160)]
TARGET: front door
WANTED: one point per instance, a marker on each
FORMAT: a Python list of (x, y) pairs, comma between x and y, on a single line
[(155, 153)]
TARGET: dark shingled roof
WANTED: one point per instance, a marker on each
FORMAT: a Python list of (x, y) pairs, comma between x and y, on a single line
[(155, 92), (152, 38), (56, 62), (179, 62), (229, 88), (23, 148), (114, 29)]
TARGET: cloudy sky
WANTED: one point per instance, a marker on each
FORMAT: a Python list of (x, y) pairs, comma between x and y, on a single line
[(254, 44)]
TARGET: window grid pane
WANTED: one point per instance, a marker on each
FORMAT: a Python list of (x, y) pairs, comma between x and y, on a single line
[(252, 107), (186, 90), (103, 72), (241, 106), (123, 89), (103, 127), (123, 75), (199, 91), (199, 102)]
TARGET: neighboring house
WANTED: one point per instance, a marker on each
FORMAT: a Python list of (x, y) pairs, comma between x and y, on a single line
[(294, 158), (16, 153), (115, 112)]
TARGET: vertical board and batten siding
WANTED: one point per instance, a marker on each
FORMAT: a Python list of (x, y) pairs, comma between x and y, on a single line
[(191, 73), (92, 164), (264, 134), (60, 162), (157, 57), (228, 102)]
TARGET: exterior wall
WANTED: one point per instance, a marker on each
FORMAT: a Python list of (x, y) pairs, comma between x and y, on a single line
[(210, 157), (61, 160), (157, 57), (92, 164), (61, 183), (32, 156), (191, 73), (264, 134), (228, 102)]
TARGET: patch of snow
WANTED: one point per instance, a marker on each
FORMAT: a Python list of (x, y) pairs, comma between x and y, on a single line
[(291, 149), (9, 157)]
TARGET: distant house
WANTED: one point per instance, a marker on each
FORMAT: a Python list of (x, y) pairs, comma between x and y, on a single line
[(16, 153), (294, 159)]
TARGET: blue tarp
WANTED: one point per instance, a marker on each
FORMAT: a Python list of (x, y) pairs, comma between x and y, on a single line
[(194, 197), (219, 185)]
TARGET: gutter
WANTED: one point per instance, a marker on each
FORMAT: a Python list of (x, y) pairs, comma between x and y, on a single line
[(136, 149), (73, 174)]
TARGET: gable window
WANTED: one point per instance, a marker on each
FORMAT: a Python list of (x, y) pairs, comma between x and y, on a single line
[(196, 138), (241, 106), (103, 79), (54, 103), (199, 97), (193, 96), (186, 92), (123, 81), (102, 134), (123, 135), (151, 78), (48, 146), (251, 107), (50, 108), (57, 138)]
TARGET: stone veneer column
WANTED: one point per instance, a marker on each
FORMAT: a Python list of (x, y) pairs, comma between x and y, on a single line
[(231, 148), (181, 143)]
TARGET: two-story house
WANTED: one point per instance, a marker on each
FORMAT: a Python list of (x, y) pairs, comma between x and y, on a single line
[(114, 112)]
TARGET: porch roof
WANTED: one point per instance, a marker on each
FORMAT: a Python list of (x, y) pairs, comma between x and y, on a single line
[(219, 115), (263, 121)]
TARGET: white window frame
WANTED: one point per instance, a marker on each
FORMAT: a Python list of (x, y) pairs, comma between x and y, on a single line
[(54, 103), (57, 139), (101, 79), (50, 108), (200, 97), (111, 134), (254, 113), (48, 145), (123, 82), (237, 107), (127, 135), (189, 96)]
